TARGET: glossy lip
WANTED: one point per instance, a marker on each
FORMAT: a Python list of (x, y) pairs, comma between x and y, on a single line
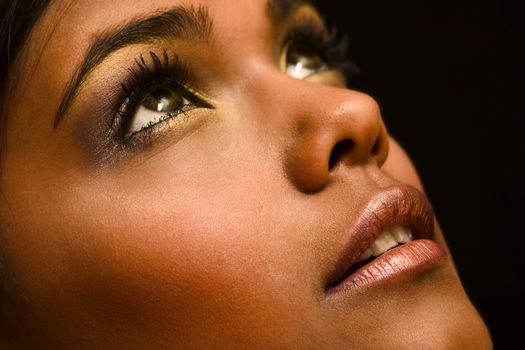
[(401, 205)]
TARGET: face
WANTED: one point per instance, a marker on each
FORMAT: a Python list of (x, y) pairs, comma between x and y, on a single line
[(210, 182)]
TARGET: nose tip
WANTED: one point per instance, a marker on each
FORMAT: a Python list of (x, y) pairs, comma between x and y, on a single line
[(345, 131)]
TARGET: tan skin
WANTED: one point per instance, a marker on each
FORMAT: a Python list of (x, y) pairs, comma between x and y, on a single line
[(221, 232)]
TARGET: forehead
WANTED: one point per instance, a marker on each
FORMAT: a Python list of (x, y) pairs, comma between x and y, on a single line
[(70, 24)]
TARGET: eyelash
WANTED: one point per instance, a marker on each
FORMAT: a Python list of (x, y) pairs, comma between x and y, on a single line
[(143, 78), (331, 47)]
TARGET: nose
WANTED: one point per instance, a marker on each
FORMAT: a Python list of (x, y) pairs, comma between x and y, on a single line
[(331, 128)]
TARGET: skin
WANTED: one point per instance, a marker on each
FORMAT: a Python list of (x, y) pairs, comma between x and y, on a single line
[(221, 234)]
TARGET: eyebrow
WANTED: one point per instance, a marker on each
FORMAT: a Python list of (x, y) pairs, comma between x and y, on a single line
[(279, 10), (186, 23)]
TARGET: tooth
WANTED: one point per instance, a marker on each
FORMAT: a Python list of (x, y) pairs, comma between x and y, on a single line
[(365, 255), (383, 243), (401, 234)]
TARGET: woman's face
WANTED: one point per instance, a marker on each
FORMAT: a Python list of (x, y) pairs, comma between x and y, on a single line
[(195, 174)]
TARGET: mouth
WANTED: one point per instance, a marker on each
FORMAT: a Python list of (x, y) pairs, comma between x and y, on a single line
[(392, 239)]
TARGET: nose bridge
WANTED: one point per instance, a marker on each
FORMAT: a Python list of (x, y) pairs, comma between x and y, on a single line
[(329, 127)]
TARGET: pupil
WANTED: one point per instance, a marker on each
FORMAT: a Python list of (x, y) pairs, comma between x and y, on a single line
[(162, 100), (305, 56)]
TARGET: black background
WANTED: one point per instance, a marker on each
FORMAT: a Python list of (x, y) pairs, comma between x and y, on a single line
[(449, 79)]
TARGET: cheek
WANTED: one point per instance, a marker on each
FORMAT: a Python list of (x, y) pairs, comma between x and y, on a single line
[(400, 167), (162, 254)]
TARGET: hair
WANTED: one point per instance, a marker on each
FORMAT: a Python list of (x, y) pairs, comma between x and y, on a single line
[(17, 19)]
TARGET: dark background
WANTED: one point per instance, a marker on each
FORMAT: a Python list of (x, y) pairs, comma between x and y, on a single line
[(449, 79)]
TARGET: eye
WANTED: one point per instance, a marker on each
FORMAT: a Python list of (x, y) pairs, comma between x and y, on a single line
[(302, 61), (157, 105)]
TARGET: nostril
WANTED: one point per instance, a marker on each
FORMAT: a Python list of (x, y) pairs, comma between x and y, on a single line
[(376, 148), (339, 151)]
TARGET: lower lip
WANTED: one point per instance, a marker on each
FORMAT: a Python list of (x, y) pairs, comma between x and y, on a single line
[(400, 264)]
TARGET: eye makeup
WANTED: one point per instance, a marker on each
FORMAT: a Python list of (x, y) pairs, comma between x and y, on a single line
[(159, 85), (137, 100), (323, 48), (144, 99)]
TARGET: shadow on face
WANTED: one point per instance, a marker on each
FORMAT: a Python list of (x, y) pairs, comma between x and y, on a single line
[(195, 174)]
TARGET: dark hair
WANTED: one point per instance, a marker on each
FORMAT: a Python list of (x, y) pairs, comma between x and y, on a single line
[(17, 19)]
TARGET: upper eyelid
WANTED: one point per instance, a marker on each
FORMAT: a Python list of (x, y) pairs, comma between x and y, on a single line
[(300, 16)]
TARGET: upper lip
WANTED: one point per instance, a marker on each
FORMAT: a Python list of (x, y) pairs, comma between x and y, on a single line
[(400, 205)]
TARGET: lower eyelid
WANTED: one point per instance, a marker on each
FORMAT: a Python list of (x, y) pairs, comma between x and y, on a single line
[(170, 131), (329, 77), (144, 117), (159, 118)]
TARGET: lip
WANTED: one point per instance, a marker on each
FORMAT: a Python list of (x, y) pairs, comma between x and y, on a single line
[(400, 205)]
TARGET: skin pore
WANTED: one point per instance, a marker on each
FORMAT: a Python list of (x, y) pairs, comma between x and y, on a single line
[(216, 224)]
